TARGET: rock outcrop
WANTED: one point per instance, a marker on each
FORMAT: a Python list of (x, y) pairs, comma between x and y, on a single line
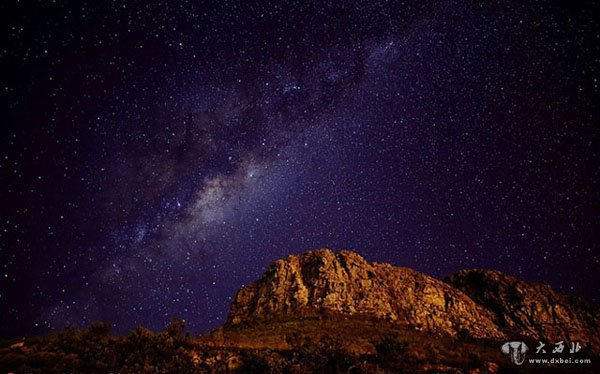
[(477, 303), (327, 282), (531, 309)]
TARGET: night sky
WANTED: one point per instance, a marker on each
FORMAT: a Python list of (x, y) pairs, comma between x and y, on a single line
[(156, 156)]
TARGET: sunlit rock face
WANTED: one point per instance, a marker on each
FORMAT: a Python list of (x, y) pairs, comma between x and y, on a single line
[(531, 309), (477, 303), (326, 282)]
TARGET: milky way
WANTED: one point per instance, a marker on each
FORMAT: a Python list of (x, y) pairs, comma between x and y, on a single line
[(158, 156)]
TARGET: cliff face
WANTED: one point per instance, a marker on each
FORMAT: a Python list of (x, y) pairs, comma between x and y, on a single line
[(342, 282), (530, 309), (478, 303)]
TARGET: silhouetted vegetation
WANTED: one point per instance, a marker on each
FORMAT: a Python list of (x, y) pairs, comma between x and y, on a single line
[(306, 346), (92, 349), (390, 349)]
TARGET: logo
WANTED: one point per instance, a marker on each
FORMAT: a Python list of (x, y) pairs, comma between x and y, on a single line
[(516, 351)]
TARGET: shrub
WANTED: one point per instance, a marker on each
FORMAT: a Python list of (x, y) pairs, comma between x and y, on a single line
[(390, 348)]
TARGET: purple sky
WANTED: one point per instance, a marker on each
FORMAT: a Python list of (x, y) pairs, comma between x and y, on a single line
[(157, 156)]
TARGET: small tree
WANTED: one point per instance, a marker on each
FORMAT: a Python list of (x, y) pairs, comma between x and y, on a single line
[(176, 328), (99, 329)]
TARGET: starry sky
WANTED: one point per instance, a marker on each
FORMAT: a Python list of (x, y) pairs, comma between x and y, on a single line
[(156, 156)]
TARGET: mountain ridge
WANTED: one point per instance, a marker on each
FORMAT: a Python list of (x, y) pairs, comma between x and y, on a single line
[(476, 303), (326, 311)]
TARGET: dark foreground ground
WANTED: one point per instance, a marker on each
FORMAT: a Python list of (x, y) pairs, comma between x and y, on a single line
[(306, 346)]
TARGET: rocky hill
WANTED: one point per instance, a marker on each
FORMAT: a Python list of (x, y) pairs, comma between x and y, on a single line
[(479, 304), (530, 309), (334, 312)]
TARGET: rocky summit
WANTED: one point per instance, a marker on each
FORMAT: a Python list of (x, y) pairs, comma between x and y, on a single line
[(480, 304), (334, 312), (533, 310), (323, 281)]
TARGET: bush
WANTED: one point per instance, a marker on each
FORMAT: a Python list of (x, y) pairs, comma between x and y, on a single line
[(99, 329), (324, 355), (176, 328), (390, 348)]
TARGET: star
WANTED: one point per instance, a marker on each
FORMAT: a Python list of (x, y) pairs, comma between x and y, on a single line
[(156, 159)]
